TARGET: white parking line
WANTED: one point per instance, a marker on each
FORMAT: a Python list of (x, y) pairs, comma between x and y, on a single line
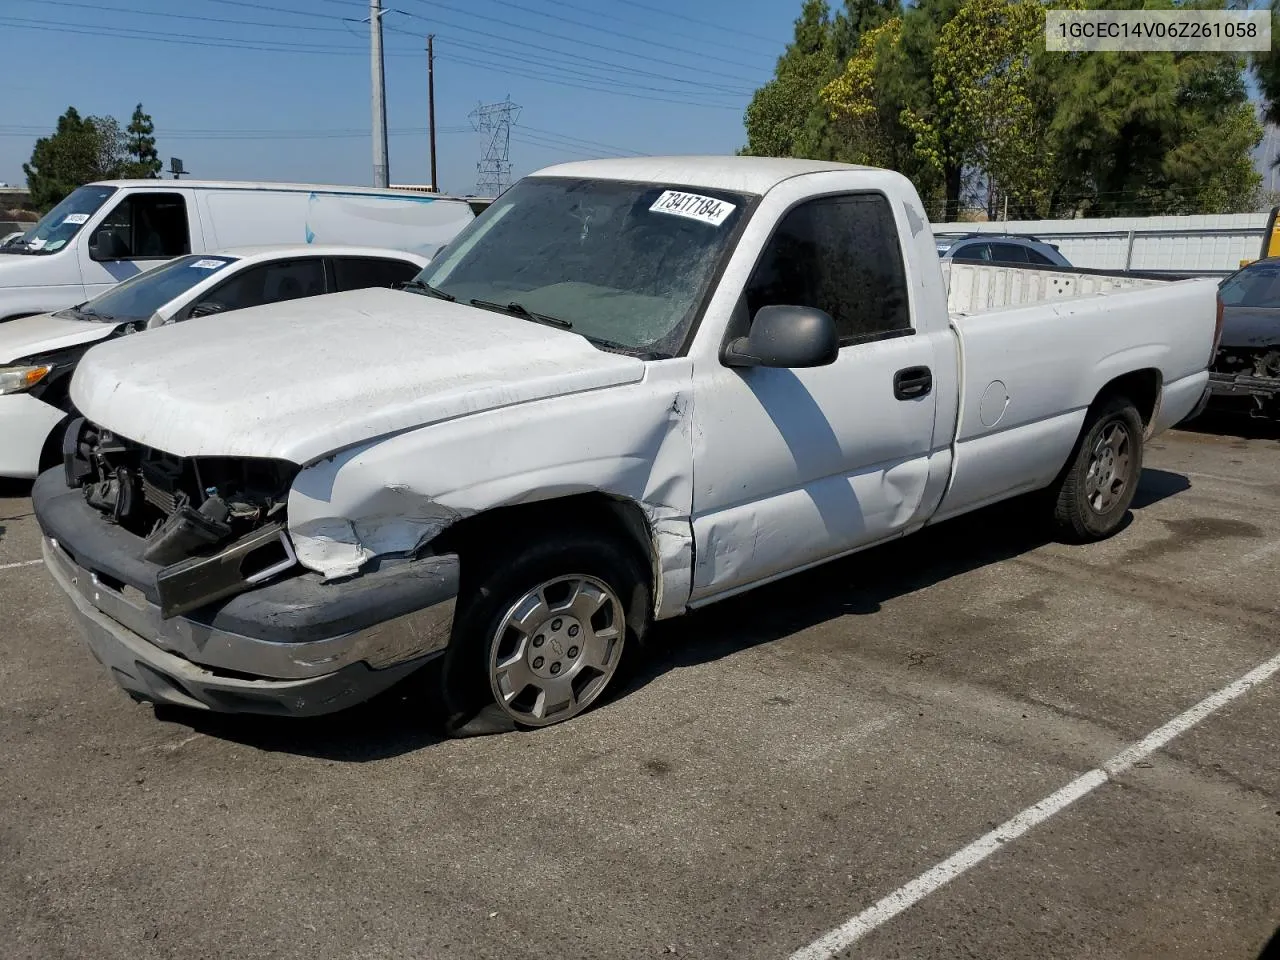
[(856, 928), (24, 563)]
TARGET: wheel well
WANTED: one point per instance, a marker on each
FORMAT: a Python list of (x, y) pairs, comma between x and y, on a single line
[(1140, 386), (479, 540), (51, 452)]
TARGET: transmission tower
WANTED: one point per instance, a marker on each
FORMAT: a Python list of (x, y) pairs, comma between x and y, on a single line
[(494, 120)]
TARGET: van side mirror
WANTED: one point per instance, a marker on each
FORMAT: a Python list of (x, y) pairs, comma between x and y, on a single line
[(106, 246), (785, 336)]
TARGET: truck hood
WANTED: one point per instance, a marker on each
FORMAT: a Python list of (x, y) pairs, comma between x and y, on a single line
[(45, 332), (306, 378)]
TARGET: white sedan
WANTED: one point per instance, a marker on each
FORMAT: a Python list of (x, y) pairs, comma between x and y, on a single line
[(38, 354)]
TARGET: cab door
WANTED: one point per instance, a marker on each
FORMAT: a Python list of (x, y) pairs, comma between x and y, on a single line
[(793, 466), (143, 229)]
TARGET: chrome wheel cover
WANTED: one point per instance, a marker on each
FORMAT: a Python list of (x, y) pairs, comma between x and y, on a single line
[(1107, 475), (556, 649)]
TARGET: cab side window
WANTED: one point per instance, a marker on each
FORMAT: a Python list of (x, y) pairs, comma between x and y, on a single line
[(839, 254), (358, 273), (145, 226), (266, 283)]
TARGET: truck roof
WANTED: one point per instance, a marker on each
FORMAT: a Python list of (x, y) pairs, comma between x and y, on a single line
[(158, 184), (741, 174)]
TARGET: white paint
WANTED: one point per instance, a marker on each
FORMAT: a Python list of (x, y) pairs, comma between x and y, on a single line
[(21, 563), (316, 380), (25, 422), (906, 896), (222, 214), (693, 206), (406, 412)]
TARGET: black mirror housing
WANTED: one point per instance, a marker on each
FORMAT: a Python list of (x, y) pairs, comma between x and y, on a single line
[(106, 246), (785, 336)]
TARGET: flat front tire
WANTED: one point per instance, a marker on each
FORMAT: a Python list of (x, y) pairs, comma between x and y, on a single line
[(1098, 484), (542, 634)]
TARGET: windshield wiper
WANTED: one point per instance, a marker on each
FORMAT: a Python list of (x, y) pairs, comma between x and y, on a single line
[(428, 289), (520, 310)]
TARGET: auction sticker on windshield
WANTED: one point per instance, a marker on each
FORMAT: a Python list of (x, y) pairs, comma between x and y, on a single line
[(693, 206), (76, 218), (209, 264)]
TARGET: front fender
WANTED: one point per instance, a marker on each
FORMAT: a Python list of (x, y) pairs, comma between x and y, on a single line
[(393, 495)]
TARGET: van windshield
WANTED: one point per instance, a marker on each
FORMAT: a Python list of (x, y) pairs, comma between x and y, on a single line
[(142, 295), (56, 228), (624, 264)]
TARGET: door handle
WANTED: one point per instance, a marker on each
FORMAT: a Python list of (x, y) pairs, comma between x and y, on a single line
[(912, 382)]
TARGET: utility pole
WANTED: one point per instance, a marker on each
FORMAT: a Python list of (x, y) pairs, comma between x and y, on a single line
[(381, 174), (431, 105)]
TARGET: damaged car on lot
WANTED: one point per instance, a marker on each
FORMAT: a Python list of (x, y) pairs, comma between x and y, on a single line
[(1245, 375), (627, 390)]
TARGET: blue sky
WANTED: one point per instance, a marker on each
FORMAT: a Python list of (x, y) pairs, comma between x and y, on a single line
[(279, 89)]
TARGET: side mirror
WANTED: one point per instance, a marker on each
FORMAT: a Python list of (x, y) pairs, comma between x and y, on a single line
[(785, 336), (106, 246)]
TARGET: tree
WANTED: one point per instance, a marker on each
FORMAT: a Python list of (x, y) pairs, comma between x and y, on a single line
[(779, 111), (144, 160), (75, 154)]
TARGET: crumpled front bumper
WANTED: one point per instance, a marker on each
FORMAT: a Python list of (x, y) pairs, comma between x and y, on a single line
[(296, 646)]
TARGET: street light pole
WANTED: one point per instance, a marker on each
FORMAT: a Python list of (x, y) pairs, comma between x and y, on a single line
[(431, 105), (381, 172)]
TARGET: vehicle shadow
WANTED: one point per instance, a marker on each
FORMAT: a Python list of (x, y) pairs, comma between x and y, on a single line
[(1232, 424), (1271, 949), (405, 718), (861, 583)]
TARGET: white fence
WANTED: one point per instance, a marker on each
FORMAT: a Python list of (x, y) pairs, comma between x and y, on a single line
[(1200, 245)]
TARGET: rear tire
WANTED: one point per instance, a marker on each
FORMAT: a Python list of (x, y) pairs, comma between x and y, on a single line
[(1094, 491), (542, 632)]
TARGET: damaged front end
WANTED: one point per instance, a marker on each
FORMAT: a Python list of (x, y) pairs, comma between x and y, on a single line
[(216, 526), (1249, 376)]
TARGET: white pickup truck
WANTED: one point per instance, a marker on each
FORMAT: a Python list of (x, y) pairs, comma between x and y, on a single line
[(630, 388)]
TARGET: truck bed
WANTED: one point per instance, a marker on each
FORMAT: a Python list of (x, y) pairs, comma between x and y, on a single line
[(978, 287)]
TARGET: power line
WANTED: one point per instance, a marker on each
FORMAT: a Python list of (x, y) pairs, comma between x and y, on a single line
[(188, 16), (610, 67), (601, 81), (705, 23), (528, 75), (119, 33), (700, 54), (581, 140), (559, 36)]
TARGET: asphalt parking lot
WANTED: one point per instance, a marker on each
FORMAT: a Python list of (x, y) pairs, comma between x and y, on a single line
[(784, 761)]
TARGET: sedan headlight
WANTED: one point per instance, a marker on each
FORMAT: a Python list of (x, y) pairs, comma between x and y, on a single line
[(21, 379)]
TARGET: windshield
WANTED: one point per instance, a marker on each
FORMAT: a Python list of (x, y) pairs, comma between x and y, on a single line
[(624, 264), (1257, 285), (142, 295), (56, 228)]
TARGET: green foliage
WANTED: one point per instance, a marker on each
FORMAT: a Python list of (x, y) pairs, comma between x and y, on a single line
[(144, 162), (786, 117), (71, 156), (84, 149), (961, 94)]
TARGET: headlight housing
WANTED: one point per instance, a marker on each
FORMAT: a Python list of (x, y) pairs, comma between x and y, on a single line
[(19, 379)]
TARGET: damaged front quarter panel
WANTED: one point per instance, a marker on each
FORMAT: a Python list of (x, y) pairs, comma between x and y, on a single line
[(392, 496), (398, 523)]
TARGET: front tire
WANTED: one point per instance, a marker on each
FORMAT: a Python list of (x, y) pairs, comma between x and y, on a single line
[(1097, 486), (542, 634)]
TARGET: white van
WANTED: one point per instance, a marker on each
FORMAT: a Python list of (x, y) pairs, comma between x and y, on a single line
[(106, 232)]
